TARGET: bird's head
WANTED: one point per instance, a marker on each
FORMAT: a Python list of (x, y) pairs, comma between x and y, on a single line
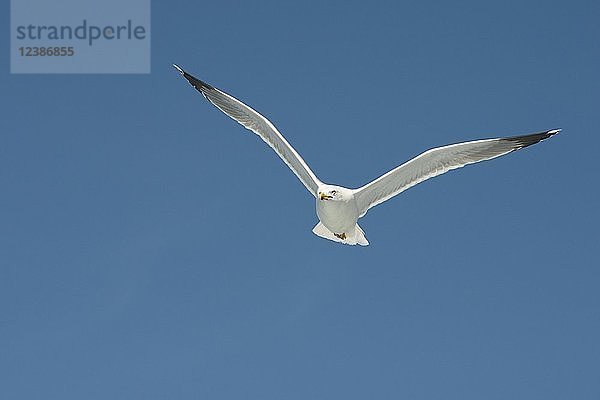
[(333, 193)]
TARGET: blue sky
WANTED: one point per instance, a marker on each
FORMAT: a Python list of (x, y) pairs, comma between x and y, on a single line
[(142, 255)]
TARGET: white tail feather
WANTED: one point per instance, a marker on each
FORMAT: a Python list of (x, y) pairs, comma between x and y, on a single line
[(352, 238)]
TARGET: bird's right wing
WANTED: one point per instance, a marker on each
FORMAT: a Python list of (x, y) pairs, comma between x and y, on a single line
[(258, 124), (437, 161)]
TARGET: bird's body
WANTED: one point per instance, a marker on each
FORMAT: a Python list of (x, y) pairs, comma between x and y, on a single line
[(338, 216), (339, 208)]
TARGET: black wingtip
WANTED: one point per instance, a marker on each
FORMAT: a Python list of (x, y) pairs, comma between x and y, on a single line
[(182, 72), (528, 140), (195, 82)]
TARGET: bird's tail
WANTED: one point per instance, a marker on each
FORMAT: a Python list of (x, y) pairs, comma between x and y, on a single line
[(352, 238)]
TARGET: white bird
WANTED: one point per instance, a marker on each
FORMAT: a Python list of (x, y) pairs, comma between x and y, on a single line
[(339, 208)]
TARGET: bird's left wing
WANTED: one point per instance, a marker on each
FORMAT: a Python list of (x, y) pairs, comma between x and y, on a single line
[(258, 124), (437, 161)]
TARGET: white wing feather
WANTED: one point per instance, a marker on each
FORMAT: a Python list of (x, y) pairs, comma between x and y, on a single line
[(258, 124), (437, 161)]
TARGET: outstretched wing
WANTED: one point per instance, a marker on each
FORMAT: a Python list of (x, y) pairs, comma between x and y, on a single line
[(437, 161), (258, 124)]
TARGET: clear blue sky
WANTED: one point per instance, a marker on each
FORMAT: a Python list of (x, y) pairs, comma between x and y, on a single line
[(131, 269)]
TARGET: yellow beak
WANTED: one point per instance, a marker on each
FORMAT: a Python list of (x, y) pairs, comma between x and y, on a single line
[(324, 196)]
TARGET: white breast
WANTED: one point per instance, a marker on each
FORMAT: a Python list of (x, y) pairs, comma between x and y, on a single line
[(338, 216)]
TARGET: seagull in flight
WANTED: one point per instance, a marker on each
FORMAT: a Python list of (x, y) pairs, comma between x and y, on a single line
[(339, 208)]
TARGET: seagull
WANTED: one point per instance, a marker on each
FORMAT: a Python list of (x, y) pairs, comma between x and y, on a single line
[(338, 207)]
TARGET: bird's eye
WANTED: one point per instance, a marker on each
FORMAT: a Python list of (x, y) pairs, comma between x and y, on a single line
[(333, 191)]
